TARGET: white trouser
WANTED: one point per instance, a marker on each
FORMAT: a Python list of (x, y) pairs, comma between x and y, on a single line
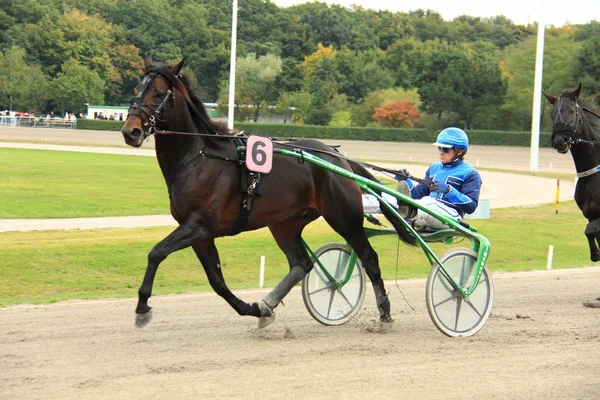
[(424, 219), (371, 206)]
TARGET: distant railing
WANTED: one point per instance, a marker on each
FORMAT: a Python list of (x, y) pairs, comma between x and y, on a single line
[(36, 122)]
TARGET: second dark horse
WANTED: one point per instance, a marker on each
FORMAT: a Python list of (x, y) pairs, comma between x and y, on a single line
[(202, 173), (576, 128)]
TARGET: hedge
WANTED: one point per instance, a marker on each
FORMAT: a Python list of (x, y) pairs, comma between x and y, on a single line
[(490, 138)]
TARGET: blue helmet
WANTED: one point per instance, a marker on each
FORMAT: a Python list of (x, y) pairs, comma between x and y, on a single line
[(453, 137)]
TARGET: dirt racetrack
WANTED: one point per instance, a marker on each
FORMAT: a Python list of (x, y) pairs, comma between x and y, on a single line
[(541, 342)]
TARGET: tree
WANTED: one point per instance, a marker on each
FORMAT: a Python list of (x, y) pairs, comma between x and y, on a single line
[(74, 86), (360, 73), (397, 114), (318, 113), (291, 78), (311, 61), (518, 66), (330, 25), (296, 103), (20, 84), (587, 69), (363, 112), (464, 80), (255, 78)]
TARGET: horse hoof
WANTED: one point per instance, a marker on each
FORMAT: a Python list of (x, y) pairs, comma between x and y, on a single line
[(267, 315), (141, 320), (386, 325)]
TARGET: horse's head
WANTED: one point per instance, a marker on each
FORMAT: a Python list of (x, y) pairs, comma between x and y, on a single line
[(566, 115), (153, 102)]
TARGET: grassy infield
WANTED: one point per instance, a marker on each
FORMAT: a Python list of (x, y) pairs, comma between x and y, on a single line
[(49, 266)]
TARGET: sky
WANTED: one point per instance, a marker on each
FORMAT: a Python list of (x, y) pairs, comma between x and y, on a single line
[(521, 12)]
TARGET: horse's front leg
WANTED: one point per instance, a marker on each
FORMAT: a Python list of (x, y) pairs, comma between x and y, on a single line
[(209, 257), (592, 232), (184, 236)]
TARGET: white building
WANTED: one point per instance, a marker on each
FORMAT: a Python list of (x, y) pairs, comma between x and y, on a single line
[(116, 113)]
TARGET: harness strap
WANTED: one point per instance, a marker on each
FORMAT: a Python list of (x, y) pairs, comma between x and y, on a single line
[(248, 193), (589, 172)]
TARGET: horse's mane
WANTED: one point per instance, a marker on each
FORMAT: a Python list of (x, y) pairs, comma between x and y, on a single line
[(594, 120), (218, 126)]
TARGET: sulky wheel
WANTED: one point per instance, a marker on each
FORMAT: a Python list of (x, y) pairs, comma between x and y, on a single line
[(451, 314), (326, 303)]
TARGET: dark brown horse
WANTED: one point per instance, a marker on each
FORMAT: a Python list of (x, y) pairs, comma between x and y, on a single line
[(202, 170), (576, 128)]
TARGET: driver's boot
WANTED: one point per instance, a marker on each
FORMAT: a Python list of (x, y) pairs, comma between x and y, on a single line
[(405, 210)]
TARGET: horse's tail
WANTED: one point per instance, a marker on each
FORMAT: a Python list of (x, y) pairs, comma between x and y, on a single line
[(403, 233)]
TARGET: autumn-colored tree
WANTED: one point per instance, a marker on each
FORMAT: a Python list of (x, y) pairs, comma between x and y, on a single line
[(397, 114), (311, 62)]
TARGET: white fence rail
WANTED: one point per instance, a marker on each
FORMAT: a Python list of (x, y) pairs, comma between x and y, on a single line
[(36, 122)]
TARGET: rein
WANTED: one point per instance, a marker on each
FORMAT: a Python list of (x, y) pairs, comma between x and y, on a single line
[(277, 140), (176, 83)]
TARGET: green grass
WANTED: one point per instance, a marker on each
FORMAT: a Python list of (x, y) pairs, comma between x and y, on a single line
[(55, 184), (42, 267)]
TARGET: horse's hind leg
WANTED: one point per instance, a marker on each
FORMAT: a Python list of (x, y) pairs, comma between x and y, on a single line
[(288, 238), (592, 232), (184, 236), (209, 257), (350, 226), (370, 261)]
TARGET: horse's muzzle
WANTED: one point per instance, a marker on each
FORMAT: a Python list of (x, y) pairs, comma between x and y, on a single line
[(560, 144), (133, 135)]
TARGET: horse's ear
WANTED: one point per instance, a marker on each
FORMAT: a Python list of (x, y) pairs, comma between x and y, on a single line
[(148, 61), (576, 92), (179, 66), (551, 99)]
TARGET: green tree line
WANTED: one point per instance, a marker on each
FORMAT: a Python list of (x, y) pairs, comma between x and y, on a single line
[(330, 64)]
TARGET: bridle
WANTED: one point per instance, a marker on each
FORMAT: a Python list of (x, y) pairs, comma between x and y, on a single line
[(150, 113), (569, 134)]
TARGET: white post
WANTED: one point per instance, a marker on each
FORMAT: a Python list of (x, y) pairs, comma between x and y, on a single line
[(261, 279), (232, 65), (537, 93), (550, 254)]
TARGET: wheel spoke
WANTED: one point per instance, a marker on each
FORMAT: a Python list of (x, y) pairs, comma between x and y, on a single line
[(330, 303), (328, 287), (453, 296), (458, 306), (345, 298), (474, 309)]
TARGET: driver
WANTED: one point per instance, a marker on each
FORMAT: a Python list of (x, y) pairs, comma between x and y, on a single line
[(456, 184)]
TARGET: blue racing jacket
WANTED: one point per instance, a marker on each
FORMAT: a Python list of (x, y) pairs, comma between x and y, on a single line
[(461, 176)]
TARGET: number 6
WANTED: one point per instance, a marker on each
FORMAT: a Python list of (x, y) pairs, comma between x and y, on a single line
[(259, 154)]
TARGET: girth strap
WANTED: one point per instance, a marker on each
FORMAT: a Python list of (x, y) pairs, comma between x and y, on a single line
[(250, 187)]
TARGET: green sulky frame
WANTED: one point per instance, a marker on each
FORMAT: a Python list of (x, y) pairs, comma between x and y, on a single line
[(479, 243)]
